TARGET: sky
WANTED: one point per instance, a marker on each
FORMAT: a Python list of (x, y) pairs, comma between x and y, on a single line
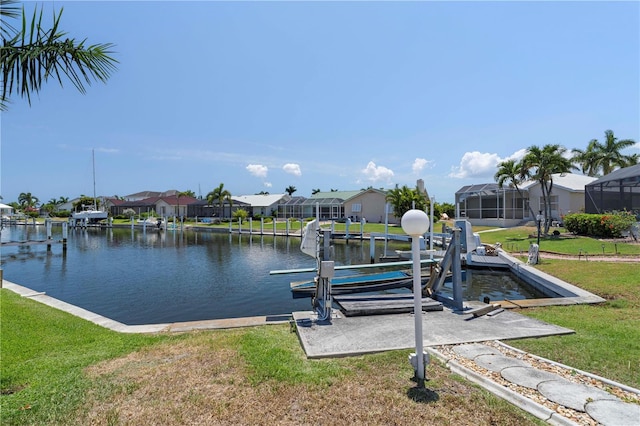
[(260, 96)]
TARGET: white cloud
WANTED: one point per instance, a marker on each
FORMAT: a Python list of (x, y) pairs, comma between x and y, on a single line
[(482, 164), (375, 173), (258, 170), (268, 184), (292, 169), (516, 156), (419, 164), (476, 164)]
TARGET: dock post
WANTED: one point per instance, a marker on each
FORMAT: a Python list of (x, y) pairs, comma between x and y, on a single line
[(287, 229), (262, 226), (372, 249), (456, 269), (47, 224), (65, 233), (250, 226), (132, 223), (326, 244), (274, 226)]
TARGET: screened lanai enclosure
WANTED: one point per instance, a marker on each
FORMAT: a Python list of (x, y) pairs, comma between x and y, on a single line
[(617, 191), (489, 203), (300, 207)]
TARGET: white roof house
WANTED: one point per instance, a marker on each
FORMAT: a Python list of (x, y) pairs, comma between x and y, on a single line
[(262, 204), (567, 194), (488, 204)]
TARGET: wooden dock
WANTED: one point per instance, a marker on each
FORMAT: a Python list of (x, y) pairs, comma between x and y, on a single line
[(480, 261), (381, 304), (31, 243)]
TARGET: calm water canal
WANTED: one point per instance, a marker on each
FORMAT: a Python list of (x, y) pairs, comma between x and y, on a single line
[(137, 277), (156, 277)]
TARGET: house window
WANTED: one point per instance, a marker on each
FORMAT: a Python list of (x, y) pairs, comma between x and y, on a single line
[(356, 208), (553, 203)]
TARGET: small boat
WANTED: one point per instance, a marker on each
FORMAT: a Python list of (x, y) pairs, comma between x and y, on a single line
[(357, 283), (90, 215)]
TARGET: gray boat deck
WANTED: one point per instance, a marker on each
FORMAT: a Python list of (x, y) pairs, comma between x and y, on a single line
[(381, 304), (486, 261)]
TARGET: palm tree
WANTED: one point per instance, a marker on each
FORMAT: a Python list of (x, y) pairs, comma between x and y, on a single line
[(178, 195), (27, 200), (404, 198), (632, 160), (609, 152), (589, 159), (290, 189), (31, 55), (315, 191), (509, 173), (540, 164), (220, 194), (63, 200)]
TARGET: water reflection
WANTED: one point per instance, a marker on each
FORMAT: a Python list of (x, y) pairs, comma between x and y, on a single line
[(139, 277)]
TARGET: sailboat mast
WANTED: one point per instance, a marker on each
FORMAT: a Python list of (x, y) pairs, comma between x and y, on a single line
[(93, 160)]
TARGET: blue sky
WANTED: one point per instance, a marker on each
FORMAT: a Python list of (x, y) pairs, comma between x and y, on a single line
[(328, 95)]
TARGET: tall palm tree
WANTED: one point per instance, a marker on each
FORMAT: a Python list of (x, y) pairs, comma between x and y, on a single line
[(220, 195), (509, 173), (290, 189), (589, 159), (609, 153), (404, 198), (315, 191), (31, 55), (27, 200), (540, 164)]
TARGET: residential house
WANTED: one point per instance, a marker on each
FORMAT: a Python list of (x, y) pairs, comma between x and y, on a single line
[(261, 204), (488, 204), (619, 190)]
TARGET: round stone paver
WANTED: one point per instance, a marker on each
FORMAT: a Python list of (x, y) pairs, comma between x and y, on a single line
[(498, 362), (472, 350), (572, 395), (528, 377), (614, 413)]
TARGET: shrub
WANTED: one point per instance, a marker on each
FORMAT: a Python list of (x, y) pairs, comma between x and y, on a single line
[(608, 225)]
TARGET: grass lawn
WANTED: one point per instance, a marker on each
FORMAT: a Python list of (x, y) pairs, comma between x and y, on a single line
[(607, 338), (58, 369)]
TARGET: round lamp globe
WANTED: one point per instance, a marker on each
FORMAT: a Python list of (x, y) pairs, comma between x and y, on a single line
[(415, 222)]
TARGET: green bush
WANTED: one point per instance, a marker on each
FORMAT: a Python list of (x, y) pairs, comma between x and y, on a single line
[(608, 225)]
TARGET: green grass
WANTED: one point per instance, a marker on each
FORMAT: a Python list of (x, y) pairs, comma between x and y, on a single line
[(518, 240), (43, 353), (273, 355), (607, 336)]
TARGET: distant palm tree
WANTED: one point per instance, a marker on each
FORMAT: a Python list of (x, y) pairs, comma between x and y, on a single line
[(403, 199), (315, 191), (609, 152), (31, 55), (178, 195), (540, 164), (589, 159), (27, 200), (509, 173), (290, 189), (220, 195), (63, 200)]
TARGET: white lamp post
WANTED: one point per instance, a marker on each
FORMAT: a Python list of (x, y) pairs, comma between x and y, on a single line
[(416, 223)]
